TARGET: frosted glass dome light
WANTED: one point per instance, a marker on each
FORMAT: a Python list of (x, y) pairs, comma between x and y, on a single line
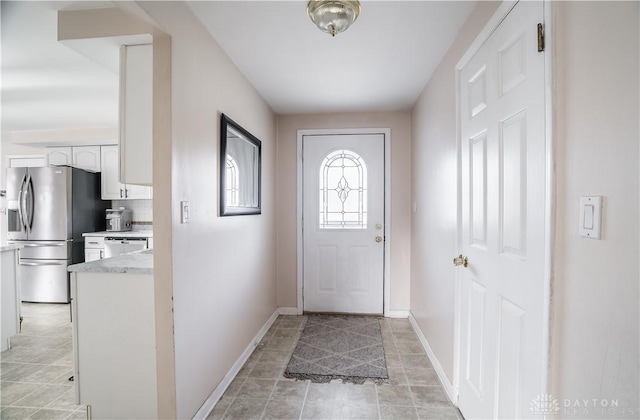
[(333, 16)]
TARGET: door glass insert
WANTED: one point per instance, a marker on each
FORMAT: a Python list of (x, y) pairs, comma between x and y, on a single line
[(343, 191)]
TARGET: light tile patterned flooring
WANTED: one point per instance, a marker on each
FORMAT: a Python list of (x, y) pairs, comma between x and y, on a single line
[(34, 373), (34, 377), (259, 391)]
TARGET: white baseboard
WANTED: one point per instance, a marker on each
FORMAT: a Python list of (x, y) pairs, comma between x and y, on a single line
[(215, 396), (287, 311), (397, 314), (446, 383)]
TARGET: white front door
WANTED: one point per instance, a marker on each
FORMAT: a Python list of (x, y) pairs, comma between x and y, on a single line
[(343, 223), (502, 355)]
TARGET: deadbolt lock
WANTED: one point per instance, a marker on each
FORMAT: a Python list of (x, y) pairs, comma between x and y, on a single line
[(460, 260), (378, 238), (378, 226)]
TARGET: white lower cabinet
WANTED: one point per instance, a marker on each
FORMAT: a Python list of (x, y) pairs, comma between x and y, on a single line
[(93, 248), (93, 254), (10, 297), (114, 344), (112, 189)]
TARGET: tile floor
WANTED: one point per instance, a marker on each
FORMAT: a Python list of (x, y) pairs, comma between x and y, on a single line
[(34, 373), (259, 391), (34, 377)]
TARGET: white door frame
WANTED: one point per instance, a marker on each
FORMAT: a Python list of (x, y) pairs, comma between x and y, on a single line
[(386, 132), (492, 24)]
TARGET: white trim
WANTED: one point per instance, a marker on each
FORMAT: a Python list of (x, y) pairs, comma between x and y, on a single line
[(397, 314), (457, 298), (386, 132), (211, 401), (287, 311), (299, 236), (550, 203), (444, 379)]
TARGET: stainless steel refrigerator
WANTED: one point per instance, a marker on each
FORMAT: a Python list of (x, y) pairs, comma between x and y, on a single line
[(48, 210)]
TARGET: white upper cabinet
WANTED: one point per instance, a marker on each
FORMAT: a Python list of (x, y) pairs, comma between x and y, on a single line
[(23, 161), (87, 158), (83, 157), (112, 189), (136, 114), (60, 156)]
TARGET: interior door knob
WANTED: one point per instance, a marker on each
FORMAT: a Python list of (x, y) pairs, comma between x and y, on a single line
[(460, 260)]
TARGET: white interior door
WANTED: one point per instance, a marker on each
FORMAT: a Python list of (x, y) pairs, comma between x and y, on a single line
[(343, 223), (502, 357)]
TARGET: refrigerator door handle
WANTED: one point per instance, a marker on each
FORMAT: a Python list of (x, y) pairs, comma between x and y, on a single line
[(38, 264), (44, 244), (21, 212), (31, 202)]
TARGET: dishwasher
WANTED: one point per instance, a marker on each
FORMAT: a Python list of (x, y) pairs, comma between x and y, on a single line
[(114, 245)]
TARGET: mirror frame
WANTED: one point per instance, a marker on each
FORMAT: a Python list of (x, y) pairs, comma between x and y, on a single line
[(225, 123)]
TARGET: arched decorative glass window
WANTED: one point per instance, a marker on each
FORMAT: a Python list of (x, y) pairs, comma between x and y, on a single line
[(233, 182), (343, 191)]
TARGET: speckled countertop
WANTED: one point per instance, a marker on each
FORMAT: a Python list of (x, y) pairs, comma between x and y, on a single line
[(140, 262), (9, 247)]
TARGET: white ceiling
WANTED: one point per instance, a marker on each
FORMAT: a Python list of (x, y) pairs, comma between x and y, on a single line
[(48, 87), (381, 63)]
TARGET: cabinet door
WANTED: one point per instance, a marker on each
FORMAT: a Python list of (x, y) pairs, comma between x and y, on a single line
[(111, 188), (60, 156), (138, 192), (92, 254), (23, 161), (87, 157), (136, 114)]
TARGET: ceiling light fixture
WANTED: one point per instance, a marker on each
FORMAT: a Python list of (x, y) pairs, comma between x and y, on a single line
[(333, 16)]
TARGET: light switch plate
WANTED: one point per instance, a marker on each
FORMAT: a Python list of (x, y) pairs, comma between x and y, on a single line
[(591, 217), (184, 212)]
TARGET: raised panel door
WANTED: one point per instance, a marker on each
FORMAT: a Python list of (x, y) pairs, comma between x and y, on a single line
[(503, 179), (60, 156), (111, 188), (87, 158)]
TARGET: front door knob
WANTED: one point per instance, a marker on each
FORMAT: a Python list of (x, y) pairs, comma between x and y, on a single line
[(460, 260), (378, 238)]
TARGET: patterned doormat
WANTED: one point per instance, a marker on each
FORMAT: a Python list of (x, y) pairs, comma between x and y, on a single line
[(339, 347)]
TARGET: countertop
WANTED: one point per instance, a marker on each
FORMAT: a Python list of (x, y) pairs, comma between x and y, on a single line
[(140, 262), (9, 247), (126, 234)]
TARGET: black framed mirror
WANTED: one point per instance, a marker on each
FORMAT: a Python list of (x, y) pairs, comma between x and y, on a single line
[(240, 170)]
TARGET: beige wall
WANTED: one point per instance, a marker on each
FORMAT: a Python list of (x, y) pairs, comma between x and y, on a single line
[(595, 351), (399, 123), (434, 191), (224, 286)]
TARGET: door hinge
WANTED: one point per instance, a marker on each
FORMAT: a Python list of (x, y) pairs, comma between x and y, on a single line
[(540, 37)]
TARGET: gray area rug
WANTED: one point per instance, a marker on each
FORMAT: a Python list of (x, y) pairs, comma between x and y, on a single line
[(339, 347)]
